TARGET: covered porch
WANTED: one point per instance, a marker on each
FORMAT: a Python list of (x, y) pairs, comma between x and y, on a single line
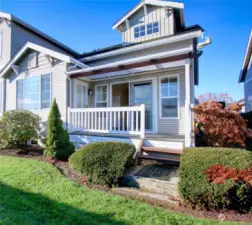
[(126, 99)]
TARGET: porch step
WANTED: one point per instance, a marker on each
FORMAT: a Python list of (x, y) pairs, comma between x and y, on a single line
[(166, 160), (162, 150)]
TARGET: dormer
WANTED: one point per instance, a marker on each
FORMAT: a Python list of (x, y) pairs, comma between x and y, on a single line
[(151, 19)]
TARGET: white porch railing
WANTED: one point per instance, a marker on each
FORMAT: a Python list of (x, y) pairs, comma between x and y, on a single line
[(116, 120)]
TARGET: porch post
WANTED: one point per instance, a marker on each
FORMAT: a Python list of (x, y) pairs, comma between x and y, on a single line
[(142, 123), (188, 113)]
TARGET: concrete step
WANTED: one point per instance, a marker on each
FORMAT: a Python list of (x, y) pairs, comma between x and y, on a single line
[(161, 159), (164, 144), (162, 150), (168, 188), (146, 195)]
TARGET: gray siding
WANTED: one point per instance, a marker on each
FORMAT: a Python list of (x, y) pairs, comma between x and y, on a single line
[(5, 29), (20, 35), (58, 84), (166, 126), (154, 14), (248, 86), (144, 52)]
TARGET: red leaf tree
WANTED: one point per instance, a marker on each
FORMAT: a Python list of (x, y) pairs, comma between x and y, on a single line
[(221, 127)]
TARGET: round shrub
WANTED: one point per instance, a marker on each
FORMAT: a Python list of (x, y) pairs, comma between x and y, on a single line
[(103, 162), (196, 188)]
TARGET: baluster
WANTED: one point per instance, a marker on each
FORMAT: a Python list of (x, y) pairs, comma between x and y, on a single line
[(137, 125), (110, 120), (114, 120), (119, 121), (107, 120), (132, 120), (103, 120), (127, 121), (123, 122)]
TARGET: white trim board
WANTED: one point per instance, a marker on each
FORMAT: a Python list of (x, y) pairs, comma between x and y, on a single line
[(44, 50), (134, 60), (148, 2), (154, 43)]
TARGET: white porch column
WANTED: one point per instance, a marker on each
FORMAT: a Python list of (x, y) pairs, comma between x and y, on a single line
[(188, 112)]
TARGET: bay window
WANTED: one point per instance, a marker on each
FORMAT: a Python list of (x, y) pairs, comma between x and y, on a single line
[(34, 93), (169, 97), (101, 96)]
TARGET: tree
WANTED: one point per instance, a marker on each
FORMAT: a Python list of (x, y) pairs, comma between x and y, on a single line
[(18, 127), (221, 127), (57, 139), (217, 97)]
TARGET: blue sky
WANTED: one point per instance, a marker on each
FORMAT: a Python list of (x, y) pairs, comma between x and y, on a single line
[(86, 25)]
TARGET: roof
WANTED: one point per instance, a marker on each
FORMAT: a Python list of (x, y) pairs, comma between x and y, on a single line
[(112, 48), (246, 60), (38, 32), (161, 3), (46, 51)]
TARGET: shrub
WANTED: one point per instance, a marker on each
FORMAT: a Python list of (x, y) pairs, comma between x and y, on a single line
[(17, 127), (221, 127), (103, 162), (248, 117), (57, 139), (198, 187)]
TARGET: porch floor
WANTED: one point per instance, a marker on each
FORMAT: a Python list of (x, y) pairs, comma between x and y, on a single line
[(156, 137)]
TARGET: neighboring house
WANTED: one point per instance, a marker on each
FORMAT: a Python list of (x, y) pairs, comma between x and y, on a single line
[(246, 75), (241, 102), (142, 88)]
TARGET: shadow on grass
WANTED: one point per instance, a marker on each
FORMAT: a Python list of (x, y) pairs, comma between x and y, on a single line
[(19, 207)]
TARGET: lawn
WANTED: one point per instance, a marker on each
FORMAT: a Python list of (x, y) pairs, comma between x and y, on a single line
[(34, 192)]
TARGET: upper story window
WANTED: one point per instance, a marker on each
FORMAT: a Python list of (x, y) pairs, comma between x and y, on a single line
[(169, 97), (32, 60), (146, 29), (152, 28), (34, 93), (139, 31), (101, 95)]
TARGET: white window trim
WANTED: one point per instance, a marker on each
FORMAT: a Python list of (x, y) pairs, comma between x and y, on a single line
[(36, 59), (145, 24), (160, 98), (101, 85), (40, 99), (75, 91)]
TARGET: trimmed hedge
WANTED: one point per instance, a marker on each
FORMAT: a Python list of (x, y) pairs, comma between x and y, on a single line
[(194, 187), (103, 162), (248, 116)]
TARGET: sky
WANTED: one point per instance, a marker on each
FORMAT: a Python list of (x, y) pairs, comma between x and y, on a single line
[(86, 25)]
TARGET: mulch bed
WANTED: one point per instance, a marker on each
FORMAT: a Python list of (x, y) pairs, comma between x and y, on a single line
[(63, 167)]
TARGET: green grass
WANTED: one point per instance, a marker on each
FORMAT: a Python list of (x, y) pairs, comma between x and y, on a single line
[(33, 192)]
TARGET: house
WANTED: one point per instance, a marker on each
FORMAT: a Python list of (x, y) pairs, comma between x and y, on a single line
[(246, 75), (140, 91)]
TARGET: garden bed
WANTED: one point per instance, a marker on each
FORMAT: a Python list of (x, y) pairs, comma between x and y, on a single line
[(63, 167)]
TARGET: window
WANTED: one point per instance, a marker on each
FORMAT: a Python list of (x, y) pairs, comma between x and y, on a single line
[(46, 91), (101, 95), (81, 96), (34, 92), (169, 97), (148, 29), (139, 31), (152, 28), (32, 60), (68, 93)]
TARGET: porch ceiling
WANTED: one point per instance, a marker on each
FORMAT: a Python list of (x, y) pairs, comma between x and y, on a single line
[(133, 68)]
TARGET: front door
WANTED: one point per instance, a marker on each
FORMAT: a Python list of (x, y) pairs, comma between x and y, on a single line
[(142, 94)]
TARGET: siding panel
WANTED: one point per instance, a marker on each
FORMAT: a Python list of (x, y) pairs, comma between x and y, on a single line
[(58, 84)]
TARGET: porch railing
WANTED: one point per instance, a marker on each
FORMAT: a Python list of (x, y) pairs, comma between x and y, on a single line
[(114, 120)]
